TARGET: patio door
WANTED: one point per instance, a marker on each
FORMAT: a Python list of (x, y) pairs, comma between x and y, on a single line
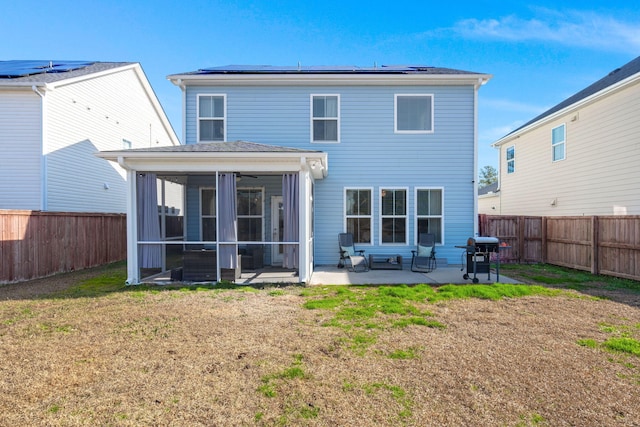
[(277, 229)]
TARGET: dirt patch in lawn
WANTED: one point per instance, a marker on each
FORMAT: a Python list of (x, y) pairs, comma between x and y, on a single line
[(259, 357)]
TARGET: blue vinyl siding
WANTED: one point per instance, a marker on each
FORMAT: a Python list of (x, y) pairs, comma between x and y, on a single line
[(369, 155)]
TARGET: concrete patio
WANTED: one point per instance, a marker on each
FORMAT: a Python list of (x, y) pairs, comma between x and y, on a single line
[(331, 275)]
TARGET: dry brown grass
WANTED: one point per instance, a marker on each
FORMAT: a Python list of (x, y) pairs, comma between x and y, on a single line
[(234, 357)]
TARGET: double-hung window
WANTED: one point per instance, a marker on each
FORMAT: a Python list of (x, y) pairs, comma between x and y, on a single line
[(511, 159), (413, 113), (211, 118), (558, 140), (208, 214), (429, 212), (250, 218), (393, 218), (357, 209), (325, 118)]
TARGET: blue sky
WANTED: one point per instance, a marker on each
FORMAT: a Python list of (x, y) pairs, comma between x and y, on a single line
[(538, 54)]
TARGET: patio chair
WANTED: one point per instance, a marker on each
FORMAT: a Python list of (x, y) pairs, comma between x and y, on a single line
[(349, 255), (423, 259)]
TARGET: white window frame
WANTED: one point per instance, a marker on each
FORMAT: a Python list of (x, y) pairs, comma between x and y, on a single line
[(405, 216), (201, 216), (512, 160), (417, 216), (312, 119), (261, 216), (370, 216), (562, 143), (223, 118), (413, 131)]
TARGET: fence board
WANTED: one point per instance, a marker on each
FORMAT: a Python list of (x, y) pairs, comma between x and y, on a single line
[(38, 244), (607, 245)]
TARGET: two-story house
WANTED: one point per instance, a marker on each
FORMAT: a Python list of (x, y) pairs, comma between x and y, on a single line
[(55, 115), (279, 160), (580, 157)]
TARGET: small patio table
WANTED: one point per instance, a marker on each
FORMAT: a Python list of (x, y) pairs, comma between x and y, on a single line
[(385, 262)]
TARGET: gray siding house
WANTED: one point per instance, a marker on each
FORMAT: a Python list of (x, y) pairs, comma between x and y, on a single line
[(580, 157), (305, 153), (55, 115)]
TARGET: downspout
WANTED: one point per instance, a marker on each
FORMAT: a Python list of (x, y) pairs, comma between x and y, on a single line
[(184, 110), (43, 138), (474, 180)]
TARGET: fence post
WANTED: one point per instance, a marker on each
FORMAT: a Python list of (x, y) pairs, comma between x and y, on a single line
[(595, 244), (543, 249), (521, 245)]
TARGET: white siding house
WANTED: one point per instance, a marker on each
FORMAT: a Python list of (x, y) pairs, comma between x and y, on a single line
[(54, 116), (580, 157), (383, 152)]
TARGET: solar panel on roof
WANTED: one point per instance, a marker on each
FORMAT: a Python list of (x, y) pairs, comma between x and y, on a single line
[(23, 68)]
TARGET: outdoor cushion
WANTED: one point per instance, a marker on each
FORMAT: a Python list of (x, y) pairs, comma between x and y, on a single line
[(424, 251), (348, 249)]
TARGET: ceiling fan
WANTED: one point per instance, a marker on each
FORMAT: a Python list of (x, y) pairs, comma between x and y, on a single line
[(242, 175)]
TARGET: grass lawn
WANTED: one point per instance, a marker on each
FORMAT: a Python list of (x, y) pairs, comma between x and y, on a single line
[(83, 349)]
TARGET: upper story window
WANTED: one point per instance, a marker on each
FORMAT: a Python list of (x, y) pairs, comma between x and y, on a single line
[(325, 118), (393, 218), (558, 139), (414, 113), (357, 212), (211, 118), (511, 159)]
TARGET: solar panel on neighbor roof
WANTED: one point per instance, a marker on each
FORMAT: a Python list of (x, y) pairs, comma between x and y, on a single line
[(22, 68)]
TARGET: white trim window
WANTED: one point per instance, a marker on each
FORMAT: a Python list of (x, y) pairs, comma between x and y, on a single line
[(393, 216), (558, 142), (430, 212), (212, 113), (207, 214), (325, 118), (358, 208), (413, 113), (511, 159), (250, 203)]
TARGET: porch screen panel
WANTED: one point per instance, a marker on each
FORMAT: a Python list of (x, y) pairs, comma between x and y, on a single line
[(149, 256), (291, 211), (228, 220)]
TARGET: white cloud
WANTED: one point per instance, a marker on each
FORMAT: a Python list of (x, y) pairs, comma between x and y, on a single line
[(572, 28), (489, 136)]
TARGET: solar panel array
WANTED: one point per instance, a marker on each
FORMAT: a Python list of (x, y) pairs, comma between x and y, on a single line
[(22, 68)]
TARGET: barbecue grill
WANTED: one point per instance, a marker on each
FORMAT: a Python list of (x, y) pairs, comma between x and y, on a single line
[(478, 252)]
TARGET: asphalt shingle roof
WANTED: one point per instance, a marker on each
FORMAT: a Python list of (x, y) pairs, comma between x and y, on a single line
[(615, 76), (221, 147), (50, 77)]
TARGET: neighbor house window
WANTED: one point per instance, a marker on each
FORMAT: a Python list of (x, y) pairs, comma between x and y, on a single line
[(357, 209), (208, 214), (325, 118), (429, 212), (250, 218), (511, 159), (393, 218), (558, 139), (414, 113), (211, 118)]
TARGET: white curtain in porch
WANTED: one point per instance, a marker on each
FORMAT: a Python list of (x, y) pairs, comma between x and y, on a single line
[(291, 213), (149, 256), (228, 221)]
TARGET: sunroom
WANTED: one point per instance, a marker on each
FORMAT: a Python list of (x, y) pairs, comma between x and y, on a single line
[(212, 211)]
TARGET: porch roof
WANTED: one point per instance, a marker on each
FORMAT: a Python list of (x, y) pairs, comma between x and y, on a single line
[(236, 156)]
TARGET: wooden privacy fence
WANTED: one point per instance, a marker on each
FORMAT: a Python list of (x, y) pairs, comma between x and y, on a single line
[(608, 245), (36, 244)]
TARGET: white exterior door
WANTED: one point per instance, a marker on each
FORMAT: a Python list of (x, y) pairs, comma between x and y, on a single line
[(277, 226)]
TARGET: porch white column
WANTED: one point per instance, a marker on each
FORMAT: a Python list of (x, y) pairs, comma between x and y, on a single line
[(304, 224), (133, 273)]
